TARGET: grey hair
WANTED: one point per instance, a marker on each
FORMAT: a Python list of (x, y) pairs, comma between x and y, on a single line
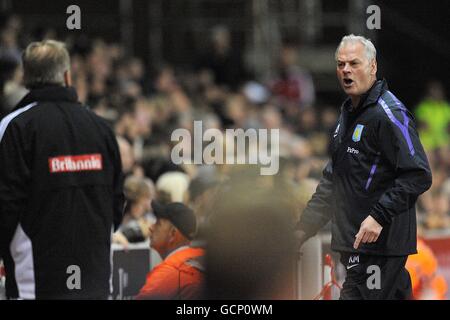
[(44, 63), (371, 52)]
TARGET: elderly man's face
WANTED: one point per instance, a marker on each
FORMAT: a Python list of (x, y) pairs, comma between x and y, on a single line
[(161, 232), (355, 72)]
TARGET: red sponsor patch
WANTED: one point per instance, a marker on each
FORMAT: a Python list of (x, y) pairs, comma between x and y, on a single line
[(82, 162)]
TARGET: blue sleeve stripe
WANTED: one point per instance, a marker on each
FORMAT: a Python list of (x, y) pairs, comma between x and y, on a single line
[(402, 126)]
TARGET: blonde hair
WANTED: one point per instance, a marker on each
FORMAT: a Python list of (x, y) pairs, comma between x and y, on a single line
[(174, 184), (136, 188), (44, 63)]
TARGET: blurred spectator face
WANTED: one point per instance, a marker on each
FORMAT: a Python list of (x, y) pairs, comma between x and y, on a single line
[(236, 109), (99, 62), (139, 192), (289, 56), (8, 38), (438, 216), (354, 71), (329, 118), (136, 69), (206, 78), (143, 118), (76, 64), (308, 120), (141, 206), (271, 118), (221, 39), (116, 51), (126, 126), (97, 87), (132, 89), (444, 155), (14, 23), (301, 148), (442, 204), (166, 81), (436, 91), (161, 233)]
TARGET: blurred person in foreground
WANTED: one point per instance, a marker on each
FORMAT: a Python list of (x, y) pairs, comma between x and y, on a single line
[(369, 188), (181, 274), (250, 243), (60, 186), (427, 282), (201, 192)]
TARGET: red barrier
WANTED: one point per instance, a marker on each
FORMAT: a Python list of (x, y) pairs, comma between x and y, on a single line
[(326, 293)]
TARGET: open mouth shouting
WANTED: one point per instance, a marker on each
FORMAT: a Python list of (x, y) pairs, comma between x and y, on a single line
[(348, 82)]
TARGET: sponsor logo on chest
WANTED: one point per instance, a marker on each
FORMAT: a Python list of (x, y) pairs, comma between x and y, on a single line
[(352, 150)]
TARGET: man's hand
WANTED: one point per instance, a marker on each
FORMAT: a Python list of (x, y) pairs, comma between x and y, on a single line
[(368, 232), (300, 238)]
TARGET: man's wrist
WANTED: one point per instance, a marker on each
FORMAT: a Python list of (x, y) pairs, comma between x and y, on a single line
[(378, 218)]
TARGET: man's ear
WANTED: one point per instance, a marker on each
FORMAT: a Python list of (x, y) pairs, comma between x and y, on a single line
[(373, 67), (68, 78), (173, 234)]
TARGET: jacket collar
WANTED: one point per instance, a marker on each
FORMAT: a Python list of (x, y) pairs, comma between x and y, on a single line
[(49, 93), (369, 98)]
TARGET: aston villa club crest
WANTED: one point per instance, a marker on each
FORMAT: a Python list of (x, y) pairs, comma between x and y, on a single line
[(357, 133)]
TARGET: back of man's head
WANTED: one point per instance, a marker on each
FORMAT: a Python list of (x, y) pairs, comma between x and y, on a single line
[(44, 63)]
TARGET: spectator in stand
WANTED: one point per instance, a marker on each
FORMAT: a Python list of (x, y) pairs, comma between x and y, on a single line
[(172, 187), (433, 115), (9, 31), (139, 193), (181, 274), (293, 84), (126, 155), (11, 88), (223, 60), (438, 217)]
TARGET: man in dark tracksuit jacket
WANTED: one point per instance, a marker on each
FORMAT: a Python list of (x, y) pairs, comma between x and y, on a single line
[(60, 187), (370, 186)]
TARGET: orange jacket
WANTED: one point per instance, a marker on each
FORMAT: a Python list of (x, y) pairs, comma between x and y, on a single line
[(179, 276), (422, 267)]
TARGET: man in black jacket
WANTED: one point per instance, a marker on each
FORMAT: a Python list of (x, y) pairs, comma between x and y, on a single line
[(369, 188), (60, 187)]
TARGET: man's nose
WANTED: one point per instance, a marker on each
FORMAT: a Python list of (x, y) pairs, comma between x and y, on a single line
[(346, 68)]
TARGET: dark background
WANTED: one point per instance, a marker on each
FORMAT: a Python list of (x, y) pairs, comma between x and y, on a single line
[(413, 43)]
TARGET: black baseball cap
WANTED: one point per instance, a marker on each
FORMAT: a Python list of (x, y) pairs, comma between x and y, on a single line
[(181, 216)]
